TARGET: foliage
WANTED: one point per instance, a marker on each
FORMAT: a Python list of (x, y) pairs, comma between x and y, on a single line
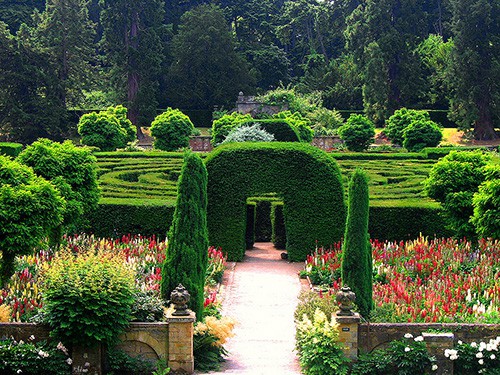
[(281, 129), (311, 301), (119, 362), (171, 130), (400, 120), (216, 266), (33, 358), (486, 204), (30, 208), (222, 126), (120, 112), (301, 124), (73, 170), (87, 297), (187, 258), (357, 251), (453, 181), (323, 266), (326, 121), (403, 357), (5, 313), (289, 99), (10, 149), (313, 213), (278, 231), (475, 358), (209, 338), (249, 133), (420, 134), (357, 132), (103, 130), (147, 307), (319, 351)]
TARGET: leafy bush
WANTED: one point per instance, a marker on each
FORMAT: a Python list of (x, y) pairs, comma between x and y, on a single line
[(475, 358), (281, 129), (249, 133), (318, 347), (420, 134), (120, 363), (278, 231), (171, 130), (325, 122), (73, 170), (400, 120), (301, 124), (30, 208), (310, 302), (32, 358), (486, 203), (10, 149), (88, 297), (107, 130), (147, 307), (357, 132), (222, 126)]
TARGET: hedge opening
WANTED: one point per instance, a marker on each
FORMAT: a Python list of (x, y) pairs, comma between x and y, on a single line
[(307, 179)]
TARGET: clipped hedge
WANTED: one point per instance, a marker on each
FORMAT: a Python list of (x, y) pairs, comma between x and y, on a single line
[(404, 222), (250, 231), (10, 148), (307, 178), (278, 237), (114, 218), (282, 130)]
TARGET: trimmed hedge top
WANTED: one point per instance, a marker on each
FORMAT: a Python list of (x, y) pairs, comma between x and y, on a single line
[(307, 179)]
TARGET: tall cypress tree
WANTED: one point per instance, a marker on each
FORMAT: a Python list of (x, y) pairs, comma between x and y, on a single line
[(187, 255), (357, 254)]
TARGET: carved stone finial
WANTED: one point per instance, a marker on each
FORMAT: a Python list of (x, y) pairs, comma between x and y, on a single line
[(180, 298), (345, 297)]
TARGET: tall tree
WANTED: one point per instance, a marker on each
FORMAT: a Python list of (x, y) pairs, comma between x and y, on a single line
[(396, 26), (187, 254), (475, 71), (206, 70), (65, 32), (132, 40), (16, 12), (29, 92)]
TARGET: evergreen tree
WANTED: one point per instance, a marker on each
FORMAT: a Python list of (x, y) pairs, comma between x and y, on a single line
[(132, 40), (187, 253), (16, 12), (357, 254), (66, 34), (475, 71)]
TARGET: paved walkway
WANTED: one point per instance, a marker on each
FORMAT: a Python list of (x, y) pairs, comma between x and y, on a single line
[(261, 294)]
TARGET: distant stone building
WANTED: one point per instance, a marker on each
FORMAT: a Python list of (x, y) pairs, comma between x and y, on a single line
[(248, 104)]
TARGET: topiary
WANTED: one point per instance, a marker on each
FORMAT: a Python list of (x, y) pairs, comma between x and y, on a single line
[(30, 207), (420, 134), (87, 297), (399, 121), (301, 124), (357, 132), (171, 130), (249, 133), (187, 255), (357, 256), (222, 126)]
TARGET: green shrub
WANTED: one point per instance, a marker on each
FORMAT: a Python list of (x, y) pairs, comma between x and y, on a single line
[(318, 347), (325, 122), (88, 297), (147, 307), (400, 120), (278, 236), (357, 132), (307, 178), (263, 230), (30, 208), (310, 301), (10, 149), (73, 170), (420, 134), (281, 129), (250, 229), (107, 130), (33, 358), (120, 363), (171, 130), (357, 265), (186, 261), (249, 133), (301, 124), (222, 126), (486, 203)]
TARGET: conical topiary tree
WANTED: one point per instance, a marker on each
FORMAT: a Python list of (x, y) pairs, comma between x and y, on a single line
[(357, 254), (187, 255)]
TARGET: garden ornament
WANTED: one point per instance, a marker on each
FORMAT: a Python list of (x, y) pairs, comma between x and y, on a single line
[(180, 297), (345, 297)]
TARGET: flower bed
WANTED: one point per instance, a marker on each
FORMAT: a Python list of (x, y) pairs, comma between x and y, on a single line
[(440, 280)]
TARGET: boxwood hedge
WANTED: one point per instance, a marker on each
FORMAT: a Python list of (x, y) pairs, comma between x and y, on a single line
[(306, 178)]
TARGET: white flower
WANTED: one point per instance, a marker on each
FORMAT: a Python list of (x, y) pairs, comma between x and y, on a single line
[(473, 344), (434, 367), (480, 362), (32, 337), (43, 354), (419, 338), (407, 349), (69, 361), (492, 356), (19, 371), (408, 336), (479, 355), (460, 342)]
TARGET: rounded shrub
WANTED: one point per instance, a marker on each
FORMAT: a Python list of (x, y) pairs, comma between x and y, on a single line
[(357, 132), (399, 121), (420, 134), (281, 129), (249, 133), (486, 203), (171, 130), (301, 124), (222, 126), (88, 297), (120, 112), (102, 130)]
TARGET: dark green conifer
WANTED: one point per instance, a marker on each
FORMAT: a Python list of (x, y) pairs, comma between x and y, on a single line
[(187, 255), (357, 254)]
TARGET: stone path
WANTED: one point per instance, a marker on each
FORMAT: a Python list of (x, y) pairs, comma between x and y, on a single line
[(261, 294)]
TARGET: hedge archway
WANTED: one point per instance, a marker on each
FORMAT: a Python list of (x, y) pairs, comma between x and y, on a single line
[(306, 178)]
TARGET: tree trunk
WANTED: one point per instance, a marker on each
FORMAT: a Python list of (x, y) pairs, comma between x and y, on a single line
[(484, 128)]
